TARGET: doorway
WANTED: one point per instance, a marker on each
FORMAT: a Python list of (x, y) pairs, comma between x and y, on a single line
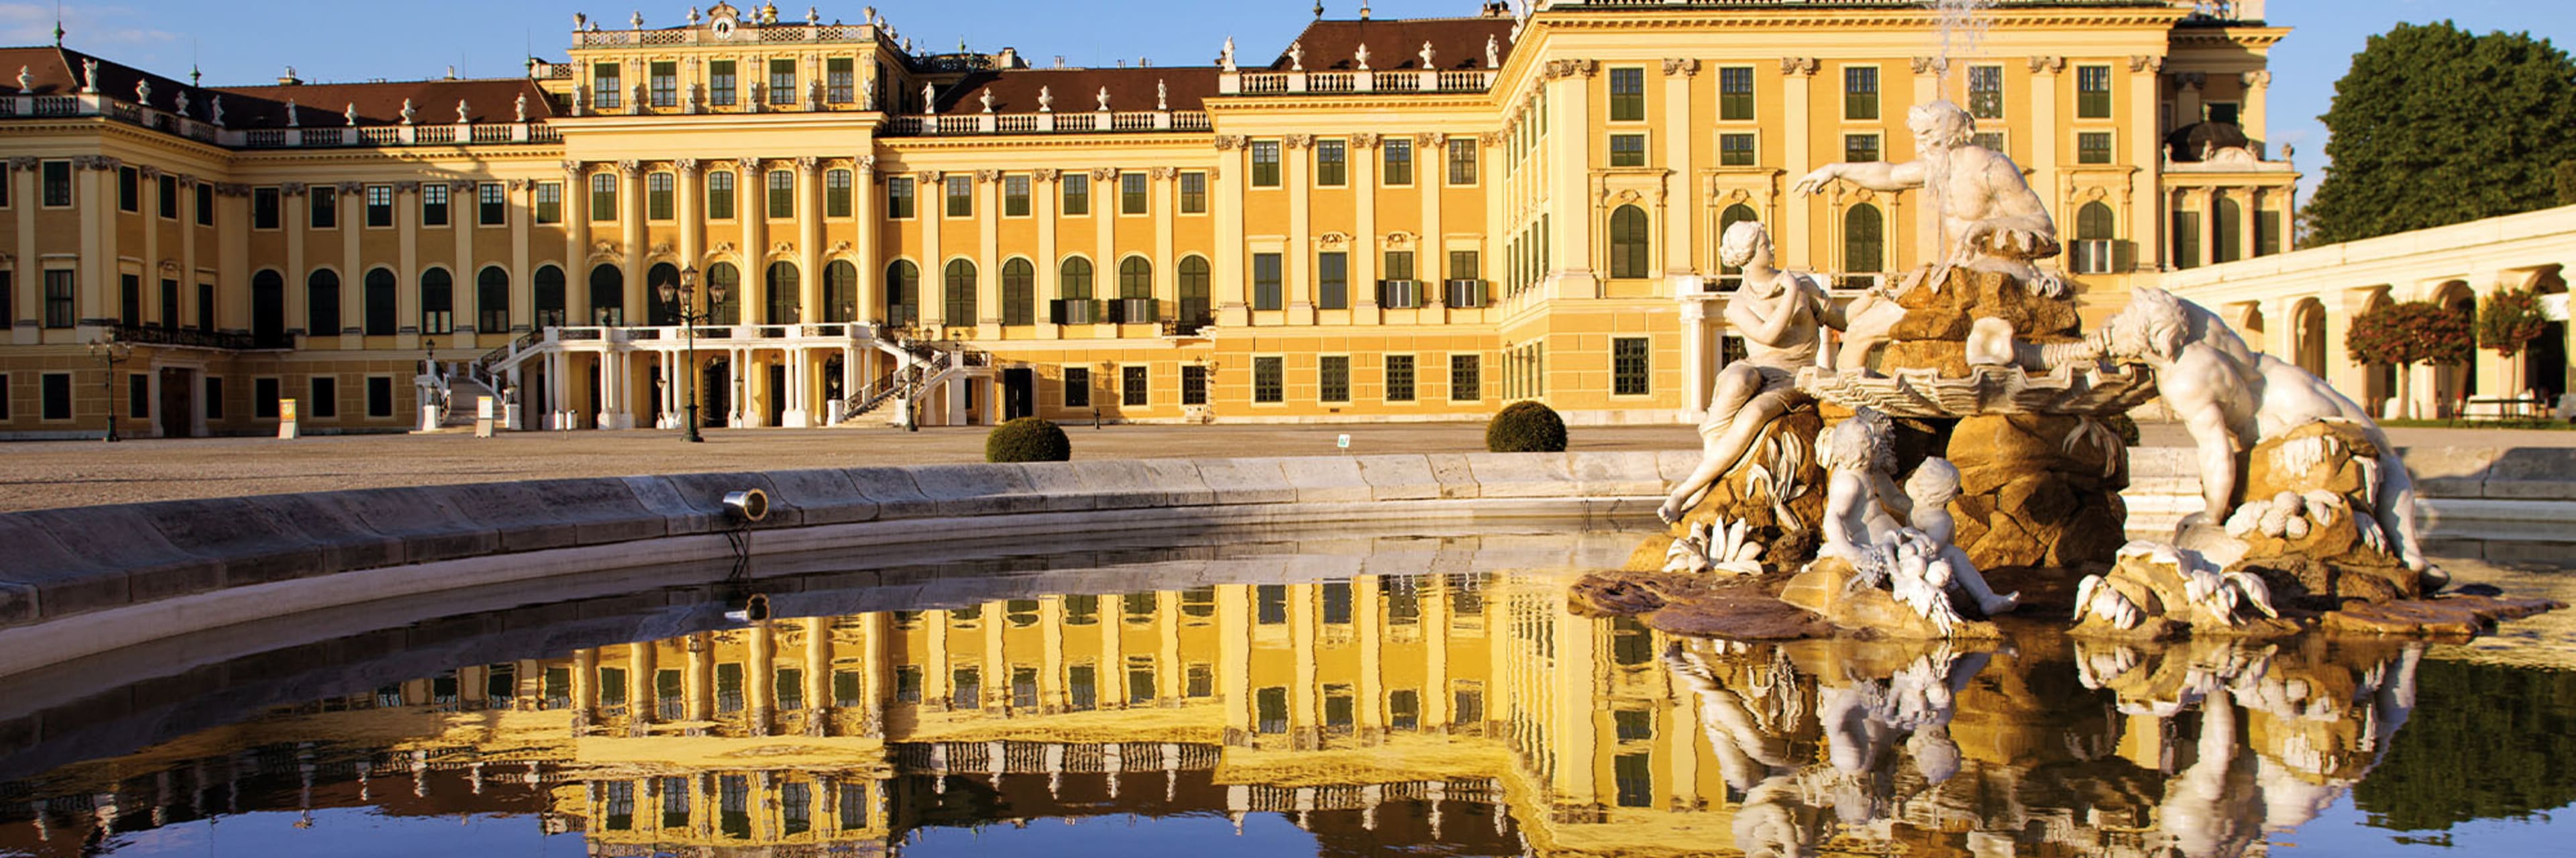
[(777, 394), (178, 403), (1019, 393)]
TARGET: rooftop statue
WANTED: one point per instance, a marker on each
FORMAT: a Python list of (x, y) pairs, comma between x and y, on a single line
[(1990, 218)]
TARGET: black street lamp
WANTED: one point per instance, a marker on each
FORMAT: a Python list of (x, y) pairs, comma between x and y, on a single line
[(685, 295), (110, 351)]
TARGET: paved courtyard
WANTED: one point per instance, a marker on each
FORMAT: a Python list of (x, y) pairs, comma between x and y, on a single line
[(37, 475)]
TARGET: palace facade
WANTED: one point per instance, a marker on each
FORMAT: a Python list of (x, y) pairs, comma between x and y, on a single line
[(1384, 220)]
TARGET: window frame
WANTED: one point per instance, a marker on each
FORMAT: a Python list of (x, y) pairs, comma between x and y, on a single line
[(322, 208), (1264, 158), (1019, 193), (724, 80), (1470, 164), (1632, 369), (1626, 104), (2109, 150), (50, 188), (1073, 195), (957, 196), (1752, 151), (267, 209), (2090, 102), (903, 198), (661, 196), (1193, 190), (662, 83), (1986, 104), (378, 214), (1269, 380), (1395, 163), (1633, 156), (603, 197), (1863, 86), (1135, 386), (546, 206), (1332, 280), (1333, 379), (491, 204), (435, 207), (1401, 384), (778, 203), (1135, 194), (1267, 272), (1332, 163), (1466, 375), (1737, 105), (836, 192)]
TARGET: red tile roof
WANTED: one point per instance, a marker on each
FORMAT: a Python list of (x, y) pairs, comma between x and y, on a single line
[(1456, 43), (55, 71), (1078, 90)]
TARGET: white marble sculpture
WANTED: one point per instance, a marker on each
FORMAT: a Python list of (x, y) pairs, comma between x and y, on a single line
[(1990, 219), (867, 94), (464, 114), (1046, 99), (1225, 58), (179, 102), (408, 112), (1493, 52), (1297, 56), (1361, 56), (1104, 99), (519, 110), (2231, 597), (2230, 398), (1862, 523), (1426, 55), (1162, 96), (986, 100), (350, 114), (1781, 316), (215, 111), (1727, 547), (143, 92), (291, 119), (929, 100), (89, 76)]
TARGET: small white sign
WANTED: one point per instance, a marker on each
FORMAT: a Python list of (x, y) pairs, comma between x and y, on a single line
[(1344, 441), (483, 408)]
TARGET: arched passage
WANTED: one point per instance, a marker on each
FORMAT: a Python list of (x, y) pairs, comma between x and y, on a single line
[(2308, 336)]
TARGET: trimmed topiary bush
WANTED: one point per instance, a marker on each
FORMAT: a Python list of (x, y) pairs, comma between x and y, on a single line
[(1028, 439), (1525, 427)]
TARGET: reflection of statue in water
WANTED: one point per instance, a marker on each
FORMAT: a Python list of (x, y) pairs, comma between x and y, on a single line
[(2231, 397), (1992, 219), (1781, 316)]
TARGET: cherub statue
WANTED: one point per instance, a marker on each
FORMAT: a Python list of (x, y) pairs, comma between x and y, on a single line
[(2231, 397), (1861, 523), (1780, 315), (868, 94), (1990, 218)]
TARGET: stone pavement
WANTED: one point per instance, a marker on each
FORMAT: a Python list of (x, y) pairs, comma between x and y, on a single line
[(41, 475)]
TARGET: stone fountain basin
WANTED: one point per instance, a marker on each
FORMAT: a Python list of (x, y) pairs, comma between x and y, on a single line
[(2097, 391)]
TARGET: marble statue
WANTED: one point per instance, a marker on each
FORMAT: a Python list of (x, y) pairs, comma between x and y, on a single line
[(519, 110), (1362, 56), (1104, 99), (350, 114), (929, 99), (143, 92), (868, 94), (1781, 316), (89, 76), (1990, 218), (2231, 397), (1493, 52), (1162, 96), (215, 111), (464, 114), (26, 81), (1297, 56), (179, 102), (292, 120), (1046, 99), (813, 17), (987, 100), (1225, 58), (408, 112), (693, 16), (1425, 55), (1861, 525)]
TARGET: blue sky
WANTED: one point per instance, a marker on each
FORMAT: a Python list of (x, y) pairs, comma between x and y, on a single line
[(251, 41)]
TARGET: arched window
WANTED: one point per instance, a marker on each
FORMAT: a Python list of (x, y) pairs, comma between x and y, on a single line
[(378, 302), (268, 308), (1074, 280), (840, 292), (2228, 219), (723, 278), (492, 300), (903, 294), (1135, 278), (1628, 242), (1195, 310), (959, 292), (607, 296), (1019, 293), (322, 303), (664, 313), (549, 294), (1726, 220), (437, 302), (785, 305), (1864, 240), (2092, 251)]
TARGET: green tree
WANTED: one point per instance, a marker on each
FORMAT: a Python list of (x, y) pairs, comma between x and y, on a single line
[(2435, 126), (2507, 322), (2567, 183), (2408, 334)]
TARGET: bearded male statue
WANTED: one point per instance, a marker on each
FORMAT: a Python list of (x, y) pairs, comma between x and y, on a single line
[(1990, 218)]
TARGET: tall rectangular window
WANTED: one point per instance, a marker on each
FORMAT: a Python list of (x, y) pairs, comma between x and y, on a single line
[(433, 204), (839, 80), (603, 197), (1860, 148), (782, 81), (1466, 378), (2093, 147), (606, 90), (663, 78), (214, 399), (2092, 92), (720, 83), (1193, 384), (720, 195), (59, 289), (1628, 366), (205, 204), (263, 398), (781, 199), (129, 189), (1396, 156), (549, 202), (961, 196), (1015, 196), (1333, 281), (1269, 379), (1133, 386), (1860, 92), (1399, 378), (55, 391), (1986, 92), (1333, 378), (57, 181), (1735, 94), (493, 207), (1077, 387), (899, 197), (1265, 282), (380, 204), (168, 188), (1735, 150), (1193, 193), (1627, 150), (1265, 167), (380, 396), (325, 398), (323, 207), (1076, 194), (660, 196), (1332, 163), (1133, 197), (264, 208), (836, 193), (1462, 161), (2186, 239), (1627, 95)]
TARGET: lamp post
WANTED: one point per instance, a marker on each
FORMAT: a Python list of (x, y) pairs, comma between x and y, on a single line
[(110, 351), (691, 312)]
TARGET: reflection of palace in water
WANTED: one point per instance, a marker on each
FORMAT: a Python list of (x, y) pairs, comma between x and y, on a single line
[(1377, 712)]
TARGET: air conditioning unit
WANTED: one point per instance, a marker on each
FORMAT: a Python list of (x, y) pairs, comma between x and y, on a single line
[(2091, 256), (1399, 294), (1464, 294)]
